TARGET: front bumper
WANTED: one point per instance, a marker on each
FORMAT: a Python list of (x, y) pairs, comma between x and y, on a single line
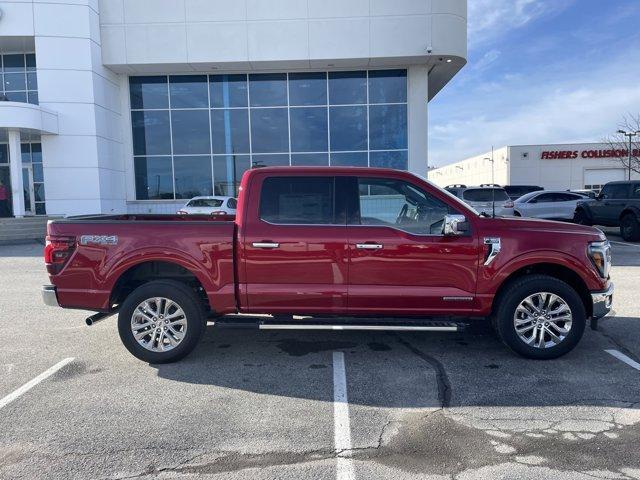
[(49, 296), (602, 302)]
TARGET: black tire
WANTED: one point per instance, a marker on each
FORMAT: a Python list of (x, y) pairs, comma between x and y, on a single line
[(185, 298), (630, 227), (520, 289), (516, 214), (581, 218)]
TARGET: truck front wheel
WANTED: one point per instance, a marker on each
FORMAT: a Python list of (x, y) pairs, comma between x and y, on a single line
[(540, 317), (161, 321)]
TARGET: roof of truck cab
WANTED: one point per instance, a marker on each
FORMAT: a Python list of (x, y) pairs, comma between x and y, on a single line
[(326, 170)]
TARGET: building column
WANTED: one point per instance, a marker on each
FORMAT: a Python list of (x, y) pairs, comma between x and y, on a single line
[(15, 166), (417, 100)]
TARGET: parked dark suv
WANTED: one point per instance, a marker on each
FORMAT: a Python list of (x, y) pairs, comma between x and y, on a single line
[(617, 205)]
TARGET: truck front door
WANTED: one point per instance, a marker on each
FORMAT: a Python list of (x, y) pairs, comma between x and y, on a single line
[(294, 245), (400, 261)]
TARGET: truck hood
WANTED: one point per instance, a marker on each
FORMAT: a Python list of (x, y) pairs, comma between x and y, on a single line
[(533, 225)]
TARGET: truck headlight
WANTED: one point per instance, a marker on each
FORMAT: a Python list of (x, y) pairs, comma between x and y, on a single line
[(600, 255)]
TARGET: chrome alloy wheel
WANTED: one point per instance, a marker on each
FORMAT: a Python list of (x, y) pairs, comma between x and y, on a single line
[(542, 320), (158, 324)]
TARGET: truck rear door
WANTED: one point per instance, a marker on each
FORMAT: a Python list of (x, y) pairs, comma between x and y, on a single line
[(399, 260), (294, 245)]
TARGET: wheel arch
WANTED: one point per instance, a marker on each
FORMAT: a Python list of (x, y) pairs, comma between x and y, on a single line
[(630, 209), (554, 270), (148, 270)]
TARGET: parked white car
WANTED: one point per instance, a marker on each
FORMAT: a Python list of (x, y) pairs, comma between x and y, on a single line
[(549, 205), (210, 206)]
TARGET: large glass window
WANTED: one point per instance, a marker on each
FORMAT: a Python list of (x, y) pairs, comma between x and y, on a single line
[(192, 176), (235, 122), (154, 178), (18, 77)]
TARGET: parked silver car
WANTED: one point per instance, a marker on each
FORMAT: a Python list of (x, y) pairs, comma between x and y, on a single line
[(480, 198), (546, 204)]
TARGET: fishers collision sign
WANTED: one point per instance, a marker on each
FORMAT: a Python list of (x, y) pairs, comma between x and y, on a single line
[(601, 153)]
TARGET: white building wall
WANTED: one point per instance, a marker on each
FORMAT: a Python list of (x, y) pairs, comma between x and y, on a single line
[(198, 35), (561, 174), (83, 164), (524, 165), (85, 50), (475, 170)]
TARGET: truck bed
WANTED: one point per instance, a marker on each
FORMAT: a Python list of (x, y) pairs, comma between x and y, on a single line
[(108, 246)]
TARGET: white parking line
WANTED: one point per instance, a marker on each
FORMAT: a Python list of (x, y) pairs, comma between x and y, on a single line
[(32, 383), (341, 424), (622, 357)]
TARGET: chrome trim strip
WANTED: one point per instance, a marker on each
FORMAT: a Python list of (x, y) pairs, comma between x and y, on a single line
[(456, 299), (496, 246)]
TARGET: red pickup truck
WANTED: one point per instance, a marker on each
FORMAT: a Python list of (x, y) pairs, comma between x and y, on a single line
[(346, 248)]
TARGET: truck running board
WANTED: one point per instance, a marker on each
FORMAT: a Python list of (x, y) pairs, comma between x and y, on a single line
[(398, 326)]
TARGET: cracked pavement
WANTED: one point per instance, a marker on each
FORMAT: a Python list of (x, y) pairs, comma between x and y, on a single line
[(259, 405)]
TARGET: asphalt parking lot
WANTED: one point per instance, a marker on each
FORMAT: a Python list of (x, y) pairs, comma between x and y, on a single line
[(321, 405)]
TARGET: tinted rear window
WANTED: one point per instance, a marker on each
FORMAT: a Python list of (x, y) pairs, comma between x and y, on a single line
[(485, 194), (205, 202), (298, 200)]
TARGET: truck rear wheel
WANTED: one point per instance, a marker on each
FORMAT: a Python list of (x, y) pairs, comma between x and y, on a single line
[(630, 228), (540, 317), (161, 321)]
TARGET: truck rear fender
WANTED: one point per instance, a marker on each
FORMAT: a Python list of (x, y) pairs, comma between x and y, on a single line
[(144, 266)]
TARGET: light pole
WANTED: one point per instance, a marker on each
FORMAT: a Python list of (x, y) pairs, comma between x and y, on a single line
[(630, 135)]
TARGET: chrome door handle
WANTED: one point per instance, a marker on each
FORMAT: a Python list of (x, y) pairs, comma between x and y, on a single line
[(265, 245), (368, 246)]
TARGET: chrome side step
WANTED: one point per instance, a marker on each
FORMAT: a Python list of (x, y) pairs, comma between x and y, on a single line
[(268, 322), (389, 327)]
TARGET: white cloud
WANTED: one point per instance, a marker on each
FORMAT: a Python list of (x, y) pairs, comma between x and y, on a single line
[(491, 19), (580, 107)]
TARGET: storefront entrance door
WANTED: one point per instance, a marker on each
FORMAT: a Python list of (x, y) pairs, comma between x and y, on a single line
[(5, 191), (27, 188)]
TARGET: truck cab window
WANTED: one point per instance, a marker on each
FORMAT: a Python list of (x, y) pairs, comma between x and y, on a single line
[(298, 200), (399, 204)]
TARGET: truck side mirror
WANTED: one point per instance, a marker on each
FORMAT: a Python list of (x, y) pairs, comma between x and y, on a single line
[(599, 196), (454, 225)]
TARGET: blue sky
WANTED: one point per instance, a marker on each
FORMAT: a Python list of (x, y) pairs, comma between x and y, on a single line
[(539, 71)]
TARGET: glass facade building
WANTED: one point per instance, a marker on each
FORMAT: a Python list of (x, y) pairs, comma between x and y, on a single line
[(197, 134)]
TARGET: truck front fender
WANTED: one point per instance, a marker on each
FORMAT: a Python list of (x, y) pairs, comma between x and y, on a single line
[(554, 263)]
